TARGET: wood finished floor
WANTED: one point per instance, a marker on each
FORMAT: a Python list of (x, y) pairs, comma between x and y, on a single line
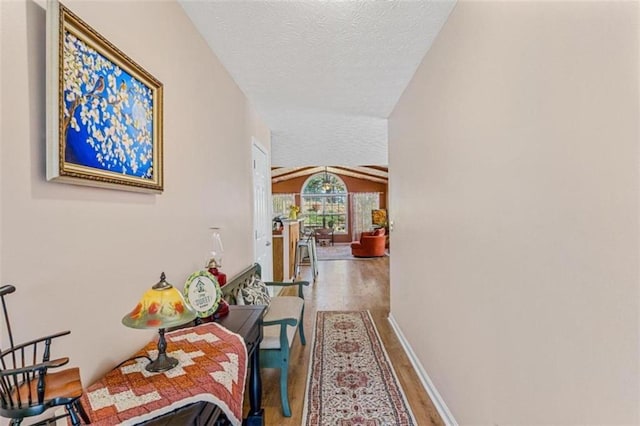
[(345, 285)]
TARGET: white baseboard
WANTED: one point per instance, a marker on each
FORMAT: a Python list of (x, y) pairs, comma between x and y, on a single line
[(439, 403)]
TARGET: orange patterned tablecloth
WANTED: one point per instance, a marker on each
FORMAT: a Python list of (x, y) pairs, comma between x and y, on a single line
[(213, 367)]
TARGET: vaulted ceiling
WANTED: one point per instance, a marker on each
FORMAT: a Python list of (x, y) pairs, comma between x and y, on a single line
[(324, 75), (377, 174)]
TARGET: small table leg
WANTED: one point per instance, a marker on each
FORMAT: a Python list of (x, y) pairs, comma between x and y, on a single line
[(256, 413)]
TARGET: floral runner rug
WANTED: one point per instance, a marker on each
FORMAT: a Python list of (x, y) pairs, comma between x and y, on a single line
[(351, 381)]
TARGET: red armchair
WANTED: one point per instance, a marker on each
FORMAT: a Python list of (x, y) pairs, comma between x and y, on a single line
[(371, 244)]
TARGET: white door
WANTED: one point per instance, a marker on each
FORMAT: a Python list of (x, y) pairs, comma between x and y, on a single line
[(262, 210)]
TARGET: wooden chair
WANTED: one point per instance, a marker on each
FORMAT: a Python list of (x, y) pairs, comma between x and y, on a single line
[(27, 386), (324, 236)]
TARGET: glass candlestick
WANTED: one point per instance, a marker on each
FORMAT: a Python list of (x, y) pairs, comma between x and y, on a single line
[(217, 250), (215, 260)]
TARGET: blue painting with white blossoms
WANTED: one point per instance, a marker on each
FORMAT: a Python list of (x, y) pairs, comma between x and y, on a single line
[(108, 114)]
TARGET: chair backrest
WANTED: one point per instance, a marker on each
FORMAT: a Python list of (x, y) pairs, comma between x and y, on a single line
[(306, 233), (232, 288), (376, 233), (4, 291), (23, 368), (323, 233)]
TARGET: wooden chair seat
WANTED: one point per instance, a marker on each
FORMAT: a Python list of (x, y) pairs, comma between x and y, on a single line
[(61, 385)]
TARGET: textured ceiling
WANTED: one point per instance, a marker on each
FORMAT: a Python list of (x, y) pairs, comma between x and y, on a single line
[(324, 75)]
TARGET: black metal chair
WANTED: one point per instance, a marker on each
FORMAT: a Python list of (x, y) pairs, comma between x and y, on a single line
[(28, 384)]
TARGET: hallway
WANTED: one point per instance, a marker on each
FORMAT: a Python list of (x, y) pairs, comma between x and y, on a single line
[(345, 285)]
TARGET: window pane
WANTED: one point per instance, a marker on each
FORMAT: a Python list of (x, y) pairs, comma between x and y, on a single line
[(324, 202), (281, 204)]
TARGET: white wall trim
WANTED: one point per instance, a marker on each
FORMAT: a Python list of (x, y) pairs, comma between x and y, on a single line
[(439, 403), (267, 271)]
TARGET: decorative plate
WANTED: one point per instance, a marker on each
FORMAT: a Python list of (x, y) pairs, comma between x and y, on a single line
[(203, 293)]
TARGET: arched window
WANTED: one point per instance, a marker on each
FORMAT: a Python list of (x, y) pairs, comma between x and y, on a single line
[(324, 202)]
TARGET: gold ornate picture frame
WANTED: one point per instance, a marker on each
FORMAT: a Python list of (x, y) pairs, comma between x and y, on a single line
[(104, 111)]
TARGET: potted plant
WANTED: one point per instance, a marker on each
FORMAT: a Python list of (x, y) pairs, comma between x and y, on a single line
[(293, 212)]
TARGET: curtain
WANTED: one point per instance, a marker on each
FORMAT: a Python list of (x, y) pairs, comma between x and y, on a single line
[(361, 205), (281, 203)]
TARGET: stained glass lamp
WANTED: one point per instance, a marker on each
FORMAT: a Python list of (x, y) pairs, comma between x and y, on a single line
[(160, 307)]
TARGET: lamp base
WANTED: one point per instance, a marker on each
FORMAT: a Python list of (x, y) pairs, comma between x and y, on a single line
[(162, 363)]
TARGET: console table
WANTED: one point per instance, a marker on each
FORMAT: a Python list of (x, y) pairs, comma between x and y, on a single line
[(245, 321)]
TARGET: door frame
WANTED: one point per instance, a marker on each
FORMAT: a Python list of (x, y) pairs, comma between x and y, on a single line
[(267, 270)]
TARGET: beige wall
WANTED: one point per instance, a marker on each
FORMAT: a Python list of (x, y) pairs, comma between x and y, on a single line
[(2, 36), (80, 257), (514, 191), (258, 128)]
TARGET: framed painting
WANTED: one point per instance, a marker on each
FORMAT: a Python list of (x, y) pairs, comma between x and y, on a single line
[(379, 217), (104, 111)]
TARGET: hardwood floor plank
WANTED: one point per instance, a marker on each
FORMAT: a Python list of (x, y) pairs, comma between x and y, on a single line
[(344, 285)]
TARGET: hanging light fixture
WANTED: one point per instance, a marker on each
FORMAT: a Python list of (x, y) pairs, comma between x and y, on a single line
[(326, 182)]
